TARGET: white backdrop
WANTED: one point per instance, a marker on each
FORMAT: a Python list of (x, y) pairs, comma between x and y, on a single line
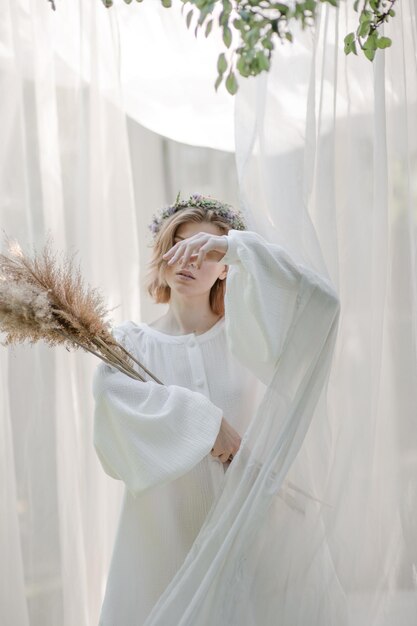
[(326, 158)]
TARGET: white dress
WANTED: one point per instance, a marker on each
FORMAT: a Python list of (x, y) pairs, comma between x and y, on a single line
[(157, 439)]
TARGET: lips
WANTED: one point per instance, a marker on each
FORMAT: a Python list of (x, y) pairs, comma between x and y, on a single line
[(186, 273)]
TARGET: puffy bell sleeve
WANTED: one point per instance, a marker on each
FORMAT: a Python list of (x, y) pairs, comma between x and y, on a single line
[(262, 295), (147, 434)]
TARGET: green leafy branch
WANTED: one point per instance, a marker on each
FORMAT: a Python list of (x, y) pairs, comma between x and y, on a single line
[(251, 28), (372, 15)]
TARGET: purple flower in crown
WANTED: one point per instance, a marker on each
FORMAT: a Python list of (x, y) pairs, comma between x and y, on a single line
[(234, 218)]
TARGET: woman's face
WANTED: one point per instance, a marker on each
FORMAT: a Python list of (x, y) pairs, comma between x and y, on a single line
[(209, 272)]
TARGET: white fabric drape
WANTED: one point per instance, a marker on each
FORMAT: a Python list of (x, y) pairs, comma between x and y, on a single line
[(65, 166), (339, 192), (325, 154)]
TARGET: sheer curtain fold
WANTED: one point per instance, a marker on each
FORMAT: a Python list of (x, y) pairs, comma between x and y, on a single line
[(65, 170), (352, 217), (12, 582)]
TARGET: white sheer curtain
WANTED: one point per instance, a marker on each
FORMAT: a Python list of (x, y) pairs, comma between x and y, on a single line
[(72, 163), (65, 166), (334, 181), (326, 154)]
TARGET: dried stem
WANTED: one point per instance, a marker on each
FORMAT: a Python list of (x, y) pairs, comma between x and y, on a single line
[(121, 368), (108, 350), (140, 364)]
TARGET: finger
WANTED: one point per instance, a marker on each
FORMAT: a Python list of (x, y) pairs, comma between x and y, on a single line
[(182, 245), (171, 251), (177, 247), (202, 253), (187, 253), (224, 457), (192, 247), (216, 452), (168, 255), (177, 254)]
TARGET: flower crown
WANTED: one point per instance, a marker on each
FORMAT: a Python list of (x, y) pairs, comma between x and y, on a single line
[(225, 211)]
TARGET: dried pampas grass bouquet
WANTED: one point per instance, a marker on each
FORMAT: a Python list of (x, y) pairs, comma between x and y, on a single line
[(44, 299)]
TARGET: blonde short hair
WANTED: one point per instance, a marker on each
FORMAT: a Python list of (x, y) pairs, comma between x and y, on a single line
[(155, 283)]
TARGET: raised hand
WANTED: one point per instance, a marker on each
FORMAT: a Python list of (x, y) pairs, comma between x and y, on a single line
[(200, 246)]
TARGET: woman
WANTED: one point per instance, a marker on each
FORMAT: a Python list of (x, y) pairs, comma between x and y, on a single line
[(171, 444)]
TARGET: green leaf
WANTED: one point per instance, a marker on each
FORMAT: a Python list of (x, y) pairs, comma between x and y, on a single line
[(202, 17), (221, 63), (218, 81), (371, 42), (355, 5), (252, 36), (267, 43), (223, 18), (263, 61), (282, 8), (245, 15), (227, 36), (127, 1), (350, 45), (188, 18), (365, 16), (231, 84), (369, 53), (241, 65), (209, 26), (391, 12), (384, 42), (333, 3), (166, 3), (364, 28), (289, 36)]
